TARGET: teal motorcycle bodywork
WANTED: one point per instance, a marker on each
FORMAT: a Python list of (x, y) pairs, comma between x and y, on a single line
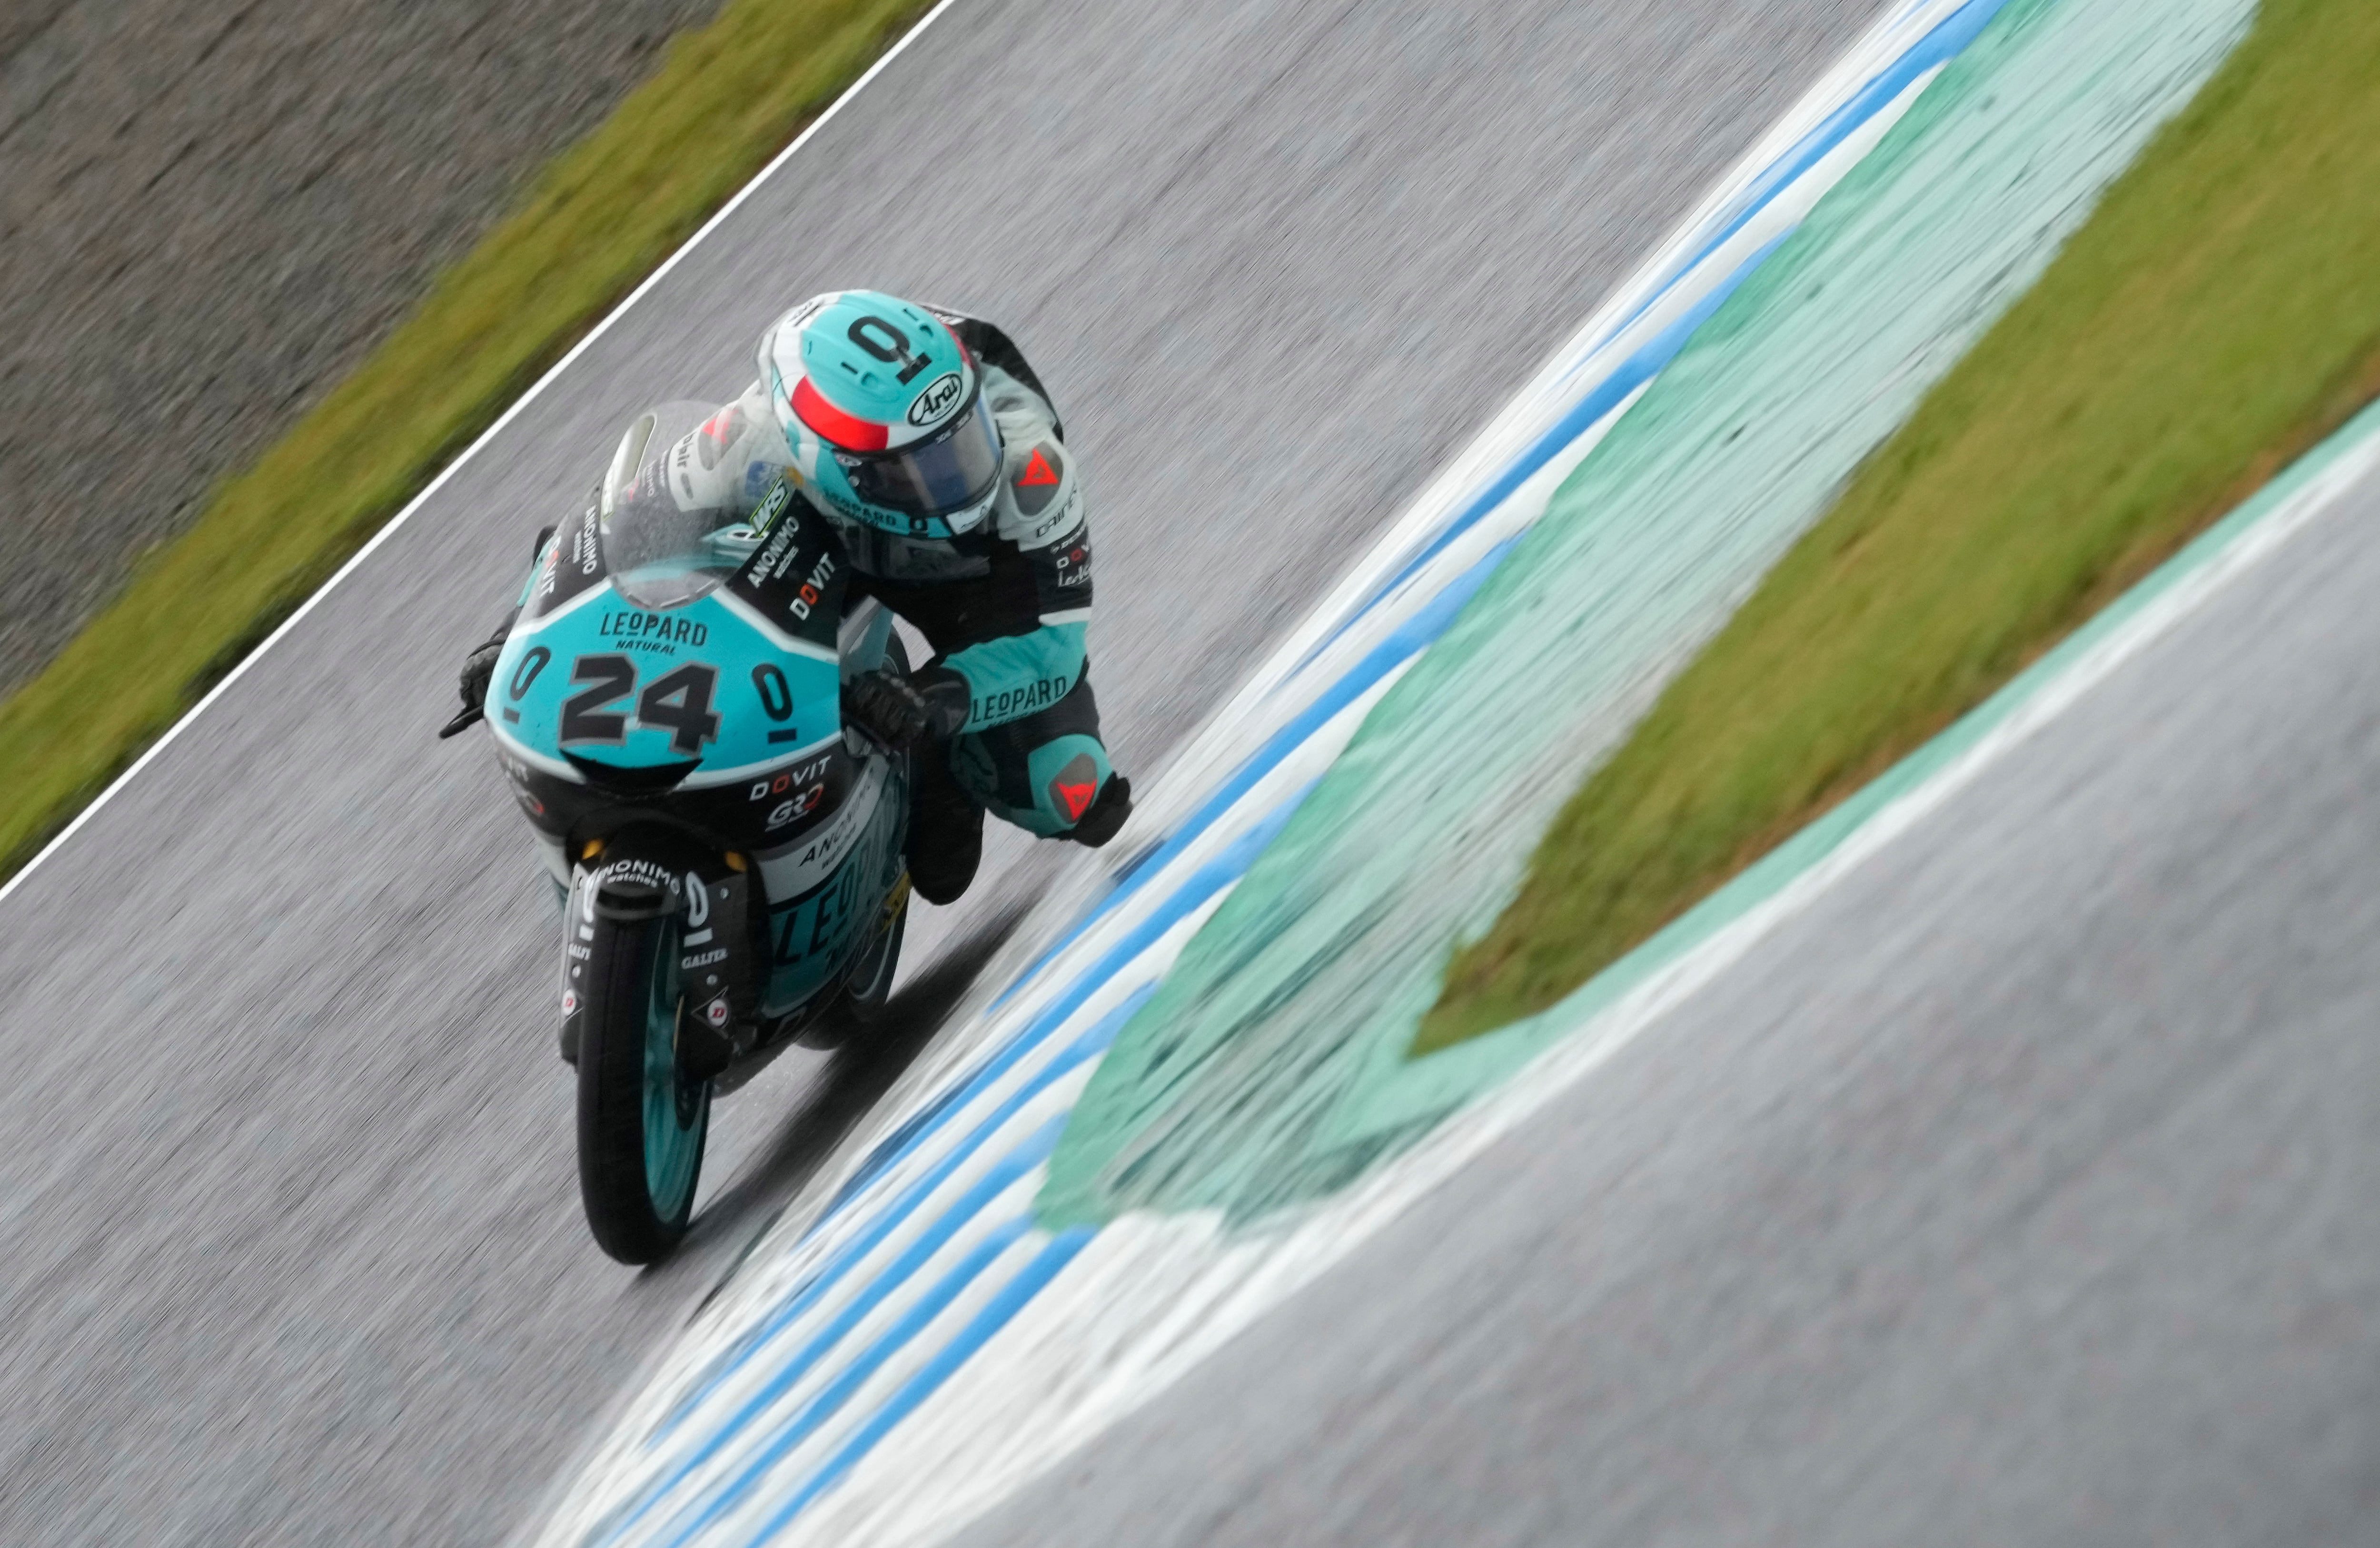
[(667, 706), (719, 717)]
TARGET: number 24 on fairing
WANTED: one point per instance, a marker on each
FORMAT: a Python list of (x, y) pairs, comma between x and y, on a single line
[(677, 701)]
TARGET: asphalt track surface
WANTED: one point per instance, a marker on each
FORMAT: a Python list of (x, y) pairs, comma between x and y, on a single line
[(2019, 1191), (294, 1254)]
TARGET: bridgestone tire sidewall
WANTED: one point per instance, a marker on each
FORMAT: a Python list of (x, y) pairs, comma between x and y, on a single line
[(611, 1100)]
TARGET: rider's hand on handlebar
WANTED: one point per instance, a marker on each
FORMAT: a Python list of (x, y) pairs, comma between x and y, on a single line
[(902, 711), (478, 671)]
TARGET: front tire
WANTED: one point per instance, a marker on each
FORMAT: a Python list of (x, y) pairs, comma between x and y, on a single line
[(641, 1120)]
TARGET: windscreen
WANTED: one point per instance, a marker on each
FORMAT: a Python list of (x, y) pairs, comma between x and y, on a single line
[(657, 555)]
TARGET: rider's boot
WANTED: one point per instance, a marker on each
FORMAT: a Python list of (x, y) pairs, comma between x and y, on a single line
[(1105, 815), (945, 831)]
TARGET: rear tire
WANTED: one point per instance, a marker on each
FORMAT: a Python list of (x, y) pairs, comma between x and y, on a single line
[(641, 1120), (872, 984), (859, 999)]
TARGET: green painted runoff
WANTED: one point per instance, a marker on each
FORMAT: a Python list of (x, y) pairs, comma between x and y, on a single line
[(2217, 315)]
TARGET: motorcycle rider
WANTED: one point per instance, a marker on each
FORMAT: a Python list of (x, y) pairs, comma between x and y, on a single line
[(927, 442)]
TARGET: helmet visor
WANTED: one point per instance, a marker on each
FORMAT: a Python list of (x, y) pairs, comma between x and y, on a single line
[(946, 472)]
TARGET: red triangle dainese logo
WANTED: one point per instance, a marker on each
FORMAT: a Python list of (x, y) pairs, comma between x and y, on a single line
[(1077, 799), (1036, 471)]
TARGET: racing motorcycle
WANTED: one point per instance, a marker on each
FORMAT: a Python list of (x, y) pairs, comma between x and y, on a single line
[(667, 708)]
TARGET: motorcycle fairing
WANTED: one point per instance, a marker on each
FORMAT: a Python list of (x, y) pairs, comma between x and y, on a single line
[(741, 688), (794, 580), (708, 682), (744, 684), (571, 565), (813, 938)]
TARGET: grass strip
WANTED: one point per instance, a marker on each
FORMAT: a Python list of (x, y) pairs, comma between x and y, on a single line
[(726, 98), (2217, 315)]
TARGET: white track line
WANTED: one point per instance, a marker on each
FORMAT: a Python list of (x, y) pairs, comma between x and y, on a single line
[(469, 452), (726, 1443)]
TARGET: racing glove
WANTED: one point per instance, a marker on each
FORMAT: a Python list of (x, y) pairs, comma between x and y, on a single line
[(479, 666), (478, 671), (900, 712)]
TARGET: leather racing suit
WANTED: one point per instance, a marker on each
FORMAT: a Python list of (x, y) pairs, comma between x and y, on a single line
[(1005, 606)]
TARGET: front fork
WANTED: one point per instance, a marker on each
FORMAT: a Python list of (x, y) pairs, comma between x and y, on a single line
[(623, 883)]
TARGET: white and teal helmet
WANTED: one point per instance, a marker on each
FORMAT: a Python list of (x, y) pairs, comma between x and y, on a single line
[(884, 411)]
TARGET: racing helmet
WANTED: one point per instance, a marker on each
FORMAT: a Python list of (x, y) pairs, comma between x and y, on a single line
[(883, 410)]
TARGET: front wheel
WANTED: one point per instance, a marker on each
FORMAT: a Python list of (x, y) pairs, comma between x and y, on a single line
[(641, 1119)]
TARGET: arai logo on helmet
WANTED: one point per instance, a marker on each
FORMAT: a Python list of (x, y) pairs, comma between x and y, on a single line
[(937, 399)]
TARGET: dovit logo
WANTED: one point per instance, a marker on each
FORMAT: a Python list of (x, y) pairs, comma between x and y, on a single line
[(940, 396), (802, 601), (794, 871), (814, 769), (782, 555)]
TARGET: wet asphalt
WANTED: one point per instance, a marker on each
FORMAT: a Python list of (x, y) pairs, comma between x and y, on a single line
[(2020, 1191), (295, 1253)]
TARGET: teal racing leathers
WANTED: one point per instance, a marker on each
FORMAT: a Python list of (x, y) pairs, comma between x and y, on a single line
[(1004, 607)]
